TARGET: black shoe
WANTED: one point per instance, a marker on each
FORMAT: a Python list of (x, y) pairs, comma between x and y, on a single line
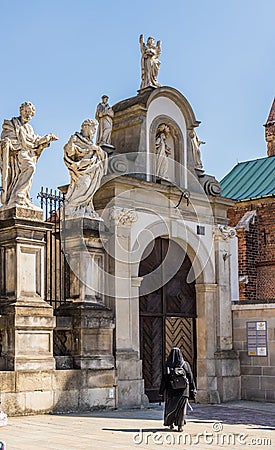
[(180, 429), (171, 427)]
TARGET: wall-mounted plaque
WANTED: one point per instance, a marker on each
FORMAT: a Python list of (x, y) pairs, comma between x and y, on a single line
[(256, 333)]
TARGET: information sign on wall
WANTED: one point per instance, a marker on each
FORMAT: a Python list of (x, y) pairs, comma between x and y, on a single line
[(256, 338)]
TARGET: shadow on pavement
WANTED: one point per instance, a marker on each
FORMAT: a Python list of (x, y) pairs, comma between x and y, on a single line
[(137, 430), (200, 414)]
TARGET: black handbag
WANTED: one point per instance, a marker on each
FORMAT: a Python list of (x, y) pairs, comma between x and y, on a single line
[(178, 378)]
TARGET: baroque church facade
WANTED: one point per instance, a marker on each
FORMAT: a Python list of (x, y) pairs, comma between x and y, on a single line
[(150, 264)]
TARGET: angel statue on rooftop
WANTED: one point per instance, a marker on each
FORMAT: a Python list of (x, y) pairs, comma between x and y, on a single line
[(150, 63)]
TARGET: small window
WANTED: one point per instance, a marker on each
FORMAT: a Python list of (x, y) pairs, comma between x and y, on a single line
[(200, 230)]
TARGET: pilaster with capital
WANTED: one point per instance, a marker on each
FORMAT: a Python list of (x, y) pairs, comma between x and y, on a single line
[(227, 361), (222, 237), (130, 386)]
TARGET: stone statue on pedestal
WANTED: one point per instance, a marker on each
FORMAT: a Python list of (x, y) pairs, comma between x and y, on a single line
[(20, 149), (162, 151), (104, 116), (150, 63), (87, 163)]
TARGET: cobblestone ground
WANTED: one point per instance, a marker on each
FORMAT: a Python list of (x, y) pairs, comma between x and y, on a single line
[(232, 426)]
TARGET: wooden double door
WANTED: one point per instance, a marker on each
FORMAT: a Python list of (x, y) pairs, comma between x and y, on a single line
[(167, 313)]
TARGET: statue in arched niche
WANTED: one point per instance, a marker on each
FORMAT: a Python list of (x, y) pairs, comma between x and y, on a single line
[(162, 150), (196, 143)]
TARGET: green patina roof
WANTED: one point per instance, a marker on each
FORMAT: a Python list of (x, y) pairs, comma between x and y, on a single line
[(250, 179)]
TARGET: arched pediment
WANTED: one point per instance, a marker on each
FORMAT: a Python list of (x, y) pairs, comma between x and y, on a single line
[(178, 98)]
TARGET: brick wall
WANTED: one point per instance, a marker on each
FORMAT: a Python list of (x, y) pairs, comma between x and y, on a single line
[(256, 249), (257, 272), (266, 282)]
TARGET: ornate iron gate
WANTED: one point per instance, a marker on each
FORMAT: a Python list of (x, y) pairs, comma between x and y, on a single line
[(167, 315)]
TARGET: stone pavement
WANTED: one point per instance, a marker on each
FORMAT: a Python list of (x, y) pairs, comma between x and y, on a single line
[(234, 425)]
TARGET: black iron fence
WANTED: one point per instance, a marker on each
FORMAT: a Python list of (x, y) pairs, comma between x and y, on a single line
[(56, 270)]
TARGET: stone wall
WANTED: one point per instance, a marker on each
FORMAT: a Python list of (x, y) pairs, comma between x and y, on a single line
[(38, 392), (257, 372)]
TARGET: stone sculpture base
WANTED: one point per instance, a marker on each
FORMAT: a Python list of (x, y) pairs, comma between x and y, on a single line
[(27, 321), (83, 338), (20, 212), (87, 330), (27, 331)]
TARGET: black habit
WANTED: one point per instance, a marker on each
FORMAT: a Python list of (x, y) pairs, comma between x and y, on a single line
[(176, 399)]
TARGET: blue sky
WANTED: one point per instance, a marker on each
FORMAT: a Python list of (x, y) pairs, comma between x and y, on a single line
[(63, 55)]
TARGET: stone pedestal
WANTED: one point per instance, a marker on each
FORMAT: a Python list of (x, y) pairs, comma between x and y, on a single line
[(90, 319), (82, 243), (27, 321), (91, 343)]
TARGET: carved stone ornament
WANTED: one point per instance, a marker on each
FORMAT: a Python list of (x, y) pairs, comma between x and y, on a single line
[(227, 232), (210, 185), (247, 219), (123, 216)]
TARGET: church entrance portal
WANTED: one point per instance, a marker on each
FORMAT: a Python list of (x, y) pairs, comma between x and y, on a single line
[(167, 315)]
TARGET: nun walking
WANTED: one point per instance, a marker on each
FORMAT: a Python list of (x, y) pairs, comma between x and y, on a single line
[(177, 386)]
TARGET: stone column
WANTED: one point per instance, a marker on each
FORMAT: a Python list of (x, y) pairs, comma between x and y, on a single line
[(91, 320), (27, 320)]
